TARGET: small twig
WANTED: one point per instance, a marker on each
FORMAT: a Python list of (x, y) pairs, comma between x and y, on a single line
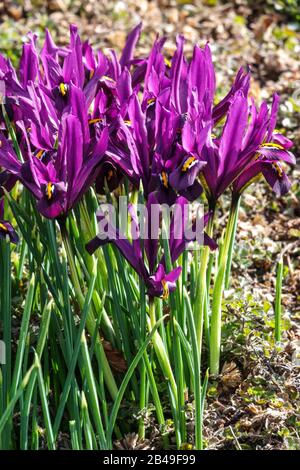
[(235, 438)]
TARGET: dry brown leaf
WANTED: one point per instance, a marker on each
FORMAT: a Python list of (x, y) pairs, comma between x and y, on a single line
[(230, 376), (115, 357)]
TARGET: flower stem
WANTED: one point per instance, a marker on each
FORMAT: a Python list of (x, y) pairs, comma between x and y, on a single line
[(175, 304), (278, 300), (143, 376), (202, 287), (161, 352), (196, 376), (216, 316), (231, 247), (90, 323), (5, 317)]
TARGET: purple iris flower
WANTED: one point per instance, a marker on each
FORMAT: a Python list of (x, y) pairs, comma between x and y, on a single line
[(176, 162), (165, 159), (268, 160), (41, 85), (60, 180), (161, 138), (245, 149), (7, 181), (74, 64), (187, 78), (6, 229), (159, 283)]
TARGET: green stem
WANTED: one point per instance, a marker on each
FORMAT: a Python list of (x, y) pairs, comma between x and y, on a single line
[(93, 397), (45, 406), (143, 381), (25, 412), (23, 336), (216, 315), (161, 352), (231, 247), (90, 323), (196, 375), (202, 287), (102, 279), (125, 381), (175, 304), (5, 316)]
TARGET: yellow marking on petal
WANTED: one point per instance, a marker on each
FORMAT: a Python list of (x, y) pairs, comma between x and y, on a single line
[(151, 100), (168, 62), (164, 179), (40, 154), (63, 89), (94, 121), (2, 227), (188, 164), (166, 291), (272, 145), (108, 78), (278, 168), (92, 73), (49, 190), (127, 122), (0, 143)]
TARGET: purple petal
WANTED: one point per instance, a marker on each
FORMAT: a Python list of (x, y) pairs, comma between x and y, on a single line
[(52, 210), (78, 107), (273, 116), (241, 82), (173, 275), (192, 192), (176, 69), (282, 140), (6, 229), (71, 150), (274, 153), (276, 178), (8, 159), (137, 119), (208, 241), (234, 129), (131, 41), (28, 63), (184, 176), (124, 87)]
